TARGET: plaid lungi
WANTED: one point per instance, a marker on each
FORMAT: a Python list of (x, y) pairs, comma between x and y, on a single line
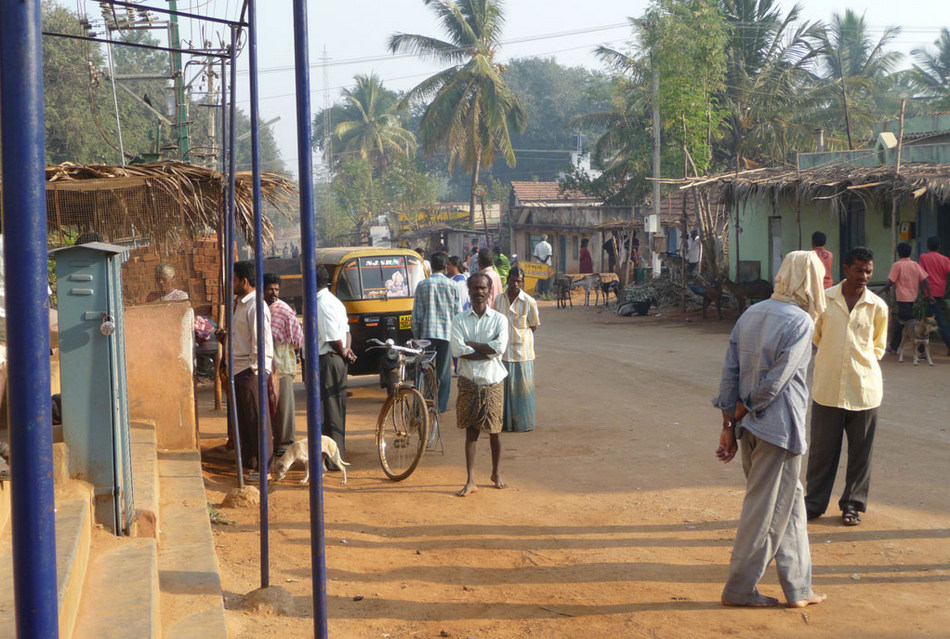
[(480, 407)]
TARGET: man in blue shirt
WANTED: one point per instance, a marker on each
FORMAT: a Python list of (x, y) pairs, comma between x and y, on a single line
[(763, 398), (435, 303)]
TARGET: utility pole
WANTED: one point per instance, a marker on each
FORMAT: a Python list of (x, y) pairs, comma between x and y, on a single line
[(897, 176), (181, 106), (656, 167)]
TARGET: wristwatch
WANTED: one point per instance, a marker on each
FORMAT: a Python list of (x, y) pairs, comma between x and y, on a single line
[(728, 424)]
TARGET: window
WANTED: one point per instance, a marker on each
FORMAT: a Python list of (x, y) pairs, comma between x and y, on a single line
[(379, 277)]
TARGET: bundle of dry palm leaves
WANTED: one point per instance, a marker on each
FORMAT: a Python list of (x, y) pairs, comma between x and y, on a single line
[(160, 200)]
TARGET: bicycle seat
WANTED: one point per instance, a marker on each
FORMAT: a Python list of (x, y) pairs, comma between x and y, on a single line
[(421, 344)]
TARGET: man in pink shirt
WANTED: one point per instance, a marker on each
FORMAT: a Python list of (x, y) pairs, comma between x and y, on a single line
[(937, 266), (906, 277), (486, 265)]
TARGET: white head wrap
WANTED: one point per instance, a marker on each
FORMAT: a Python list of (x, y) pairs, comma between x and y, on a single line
[(800, 281)]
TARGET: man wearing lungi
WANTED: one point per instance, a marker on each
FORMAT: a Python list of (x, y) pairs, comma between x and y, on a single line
[(521, 311), (479, 337)]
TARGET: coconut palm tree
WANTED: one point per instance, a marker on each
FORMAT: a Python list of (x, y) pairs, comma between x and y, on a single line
[(931, 74), (470, 107), (375, 132), (769, 56), (856, 71)]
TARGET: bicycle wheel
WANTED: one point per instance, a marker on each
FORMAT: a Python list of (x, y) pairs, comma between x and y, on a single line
[(401, 433), (429, 387)]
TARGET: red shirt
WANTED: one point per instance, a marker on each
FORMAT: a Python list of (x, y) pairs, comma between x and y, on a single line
[(826, 258), (937, 266)]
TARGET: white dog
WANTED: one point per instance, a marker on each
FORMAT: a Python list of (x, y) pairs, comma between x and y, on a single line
[(298, 452)]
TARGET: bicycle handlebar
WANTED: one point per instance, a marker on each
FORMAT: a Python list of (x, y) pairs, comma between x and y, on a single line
[(391, 345)]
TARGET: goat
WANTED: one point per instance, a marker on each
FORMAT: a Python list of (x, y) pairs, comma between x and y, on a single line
[(712, 294), (607, 287), (674, 263), (589, 281), (562, 287), (756, 290)]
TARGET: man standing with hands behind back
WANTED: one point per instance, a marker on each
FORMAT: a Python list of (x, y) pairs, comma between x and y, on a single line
[(335, 354), (851, 336), (763, 396)]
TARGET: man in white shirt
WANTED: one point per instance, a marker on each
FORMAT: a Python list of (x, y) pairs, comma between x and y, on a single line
[(479, 337), (542, 254), (243, 339), (542, 251), (333, 329)]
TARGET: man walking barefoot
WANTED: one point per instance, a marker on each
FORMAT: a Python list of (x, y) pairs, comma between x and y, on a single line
[(764, 398), (479, 337)]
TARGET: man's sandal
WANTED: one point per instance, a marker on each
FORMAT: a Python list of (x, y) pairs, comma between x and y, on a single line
[(850, 516)]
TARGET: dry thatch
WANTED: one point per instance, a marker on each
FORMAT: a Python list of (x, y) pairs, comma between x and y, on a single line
[(160, 200), (836, 184), (614, 223)]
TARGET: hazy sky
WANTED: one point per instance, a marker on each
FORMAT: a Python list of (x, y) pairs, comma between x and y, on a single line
[(355, 34)]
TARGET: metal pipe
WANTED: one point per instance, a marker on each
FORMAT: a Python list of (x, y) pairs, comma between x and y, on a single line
[(262, 413), (208, 53), (25, 261), (308, 272), (229, 257)]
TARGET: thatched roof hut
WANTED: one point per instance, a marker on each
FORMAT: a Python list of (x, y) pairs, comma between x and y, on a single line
[(162, 201), (837, 184)]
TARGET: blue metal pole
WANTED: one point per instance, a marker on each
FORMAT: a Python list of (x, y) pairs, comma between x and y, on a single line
[(263, 413), (25, 263), (318, 556), (229, 256)]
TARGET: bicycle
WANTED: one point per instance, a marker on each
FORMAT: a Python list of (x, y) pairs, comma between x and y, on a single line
[(408, 420)]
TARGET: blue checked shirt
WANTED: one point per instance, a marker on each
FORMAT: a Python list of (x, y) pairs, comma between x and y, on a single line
[(435, 302)]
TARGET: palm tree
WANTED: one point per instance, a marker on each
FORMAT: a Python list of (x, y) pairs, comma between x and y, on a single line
[(768, 60), (856, 69), (375, 132), (471, 107), (931, 74)]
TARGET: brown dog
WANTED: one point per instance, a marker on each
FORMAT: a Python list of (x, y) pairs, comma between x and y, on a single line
[(917, 334)]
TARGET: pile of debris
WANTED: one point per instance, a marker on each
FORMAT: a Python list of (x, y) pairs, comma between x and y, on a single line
[(664, 292)]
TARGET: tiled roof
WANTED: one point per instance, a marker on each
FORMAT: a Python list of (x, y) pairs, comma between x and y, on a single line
[(529, 192)]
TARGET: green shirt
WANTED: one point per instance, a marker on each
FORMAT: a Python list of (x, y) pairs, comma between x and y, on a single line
[(503, 266)]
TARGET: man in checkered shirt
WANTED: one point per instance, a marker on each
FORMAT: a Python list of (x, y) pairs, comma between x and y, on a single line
[(435, 303), (288, 337)]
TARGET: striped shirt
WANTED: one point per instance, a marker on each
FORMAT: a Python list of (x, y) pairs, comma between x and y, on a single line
[(288, 335), (434, 304), (522, 315)]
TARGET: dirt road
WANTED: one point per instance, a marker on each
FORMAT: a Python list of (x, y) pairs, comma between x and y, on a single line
[(618, 521)]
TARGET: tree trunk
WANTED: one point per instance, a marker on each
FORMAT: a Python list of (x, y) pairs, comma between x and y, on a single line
[(471, 203)]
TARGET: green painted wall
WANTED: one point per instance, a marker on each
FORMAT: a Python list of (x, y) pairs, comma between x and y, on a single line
[(815, 216)]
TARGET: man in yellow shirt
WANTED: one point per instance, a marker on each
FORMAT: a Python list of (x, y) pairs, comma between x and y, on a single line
[(851, 336)]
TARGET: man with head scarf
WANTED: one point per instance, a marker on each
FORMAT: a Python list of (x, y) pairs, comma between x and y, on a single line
[(763, 399)]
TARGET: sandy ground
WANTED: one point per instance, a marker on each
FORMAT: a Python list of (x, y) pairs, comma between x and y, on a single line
[(618, 521)]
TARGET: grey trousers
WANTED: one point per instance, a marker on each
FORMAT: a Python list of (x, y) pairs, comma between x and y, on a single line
[(828, 426), (284, 426), (772, 525), (333, 400)]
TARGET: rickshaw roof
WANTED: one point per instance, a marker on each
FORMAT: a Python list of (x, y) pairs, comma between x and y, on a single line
[(337, 254)]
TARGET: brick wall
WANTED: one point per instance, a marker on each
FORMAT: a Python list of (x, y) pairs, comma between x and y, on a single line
[(197, 272)]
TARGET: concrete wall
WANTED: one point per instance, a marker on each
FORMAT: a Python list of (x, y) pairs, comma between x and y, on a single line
[(159, 348)]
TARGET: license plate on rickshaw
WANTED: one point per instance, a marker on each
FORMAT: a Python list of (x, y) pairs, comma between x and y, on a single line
[(405, 322)]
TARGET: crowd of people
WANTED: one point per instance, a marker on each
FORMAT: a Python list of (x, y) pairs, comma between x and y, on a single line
[(480, 326)]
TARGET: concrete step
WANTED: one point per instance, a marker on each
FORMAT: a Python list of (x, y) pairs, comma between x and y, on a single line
[(145, 479), (120, 596), (73, 532), (192, 602)]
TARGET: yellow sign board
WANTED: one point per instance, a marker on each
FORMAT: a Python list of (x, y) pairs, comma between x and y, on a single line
[(405, 322)]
